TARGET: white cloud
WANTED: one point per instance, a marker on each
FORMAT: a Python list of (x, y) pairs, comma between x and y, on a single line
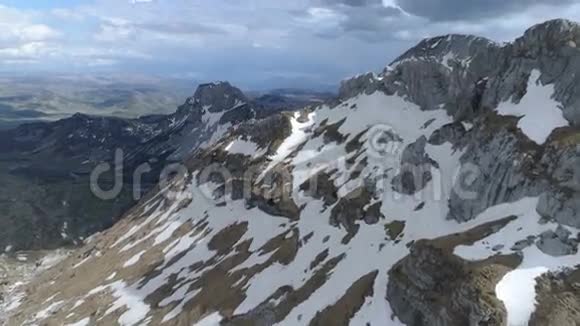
[(68, 14), (28, 53), (115, 30), (17, 26), (100, 62), (23, 40), (37, 33)]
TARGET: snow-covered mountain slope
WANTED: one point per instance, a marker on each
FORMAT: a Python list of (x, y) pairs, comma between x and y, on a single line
[(421, 196)]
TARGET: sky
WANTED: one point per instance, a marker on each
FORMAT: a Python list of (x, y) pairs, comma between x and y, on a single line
[(257, 44)]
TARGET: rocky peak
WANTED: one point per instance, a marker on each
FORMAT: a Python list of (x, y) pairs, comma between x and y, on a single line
[(367, 83), (218, 96), (80, 116), (456, 45), (552, 37), (79, 120)]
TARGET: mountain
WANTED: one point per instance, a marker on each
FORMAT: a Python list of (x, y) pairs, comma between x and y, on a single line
[(49, 199), (280, 100), (442, 191)]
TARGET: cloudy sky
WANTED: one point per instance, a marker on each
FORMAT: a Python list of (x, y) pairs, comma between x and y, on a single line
[(253, 43)]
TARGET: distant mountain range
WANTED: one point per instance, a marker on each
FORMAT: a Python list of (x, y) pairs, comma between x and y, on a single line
[(49, 98)]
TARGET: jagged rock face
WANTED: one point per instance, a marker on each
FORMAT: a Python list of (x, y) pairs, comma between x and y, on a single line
[(560, 206), (506, 176), (552, 47), (450, 71), (366, 83), (446, 72), (296, 219), (451, 133), (462, 75), (416, 168), (562, 200), (558, 243), (558, 299), (417, 282), (430, 287), (220, 97)]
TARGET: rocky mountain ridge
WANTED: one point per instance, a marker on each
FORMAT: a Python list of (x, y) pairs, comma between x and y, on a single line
[(447, 173)]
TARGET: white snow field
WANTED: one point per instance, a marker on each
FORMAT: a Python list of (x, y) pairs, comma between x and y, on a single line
[(540, 113)]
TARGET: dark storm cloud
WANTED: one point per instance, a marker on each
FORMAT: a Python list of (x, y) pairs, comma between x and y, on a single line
[(450, 10)]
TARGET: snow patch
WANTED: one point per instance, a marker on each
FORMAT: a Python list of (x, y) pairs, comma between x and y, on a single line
[(517, 290), (137, 310), (211, 320), (296, 138), (244, 147), (540, 113), (134, 260), (46, 312)]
